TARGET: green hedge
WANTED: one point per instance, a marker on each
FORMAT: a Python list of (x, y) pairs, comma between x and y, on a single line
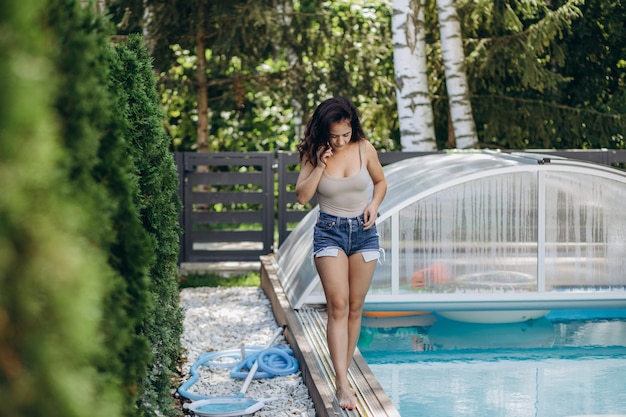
[(159, 209), (89, 317), (53, 270)]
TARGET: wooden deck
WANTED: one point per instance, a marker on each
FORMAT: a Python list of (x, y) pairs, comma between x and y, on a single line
[(306, 334)]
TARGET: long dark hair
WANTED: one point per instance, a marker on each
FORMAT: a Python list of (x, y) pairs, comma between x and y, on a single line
[(317, 132)]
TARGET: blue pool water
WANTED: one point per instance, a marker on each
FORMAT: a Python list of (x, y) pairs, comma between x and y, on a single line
[(565, 364)]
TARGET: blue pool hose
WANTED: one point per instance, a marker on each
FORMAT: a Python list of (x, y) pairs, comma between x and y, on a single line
[(273, 361)]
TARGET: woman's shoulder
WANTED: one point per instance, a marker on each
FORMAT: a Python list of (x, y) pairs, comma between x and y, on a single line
[(367, 146)]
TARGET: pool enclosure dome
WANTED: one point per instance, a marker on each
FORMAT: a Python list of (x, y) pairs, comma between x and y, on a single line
[(469, 233)]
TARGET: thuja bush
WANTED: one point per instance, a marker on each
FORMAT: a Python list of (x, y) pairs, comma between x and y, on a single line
[(103, 180), (159, 207), (133, 164), (89, 316), (143, 321), (53, 268)]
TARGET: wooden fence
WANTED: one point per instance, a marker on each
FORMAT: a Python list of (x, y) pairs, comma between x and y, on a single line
[(239, 206)]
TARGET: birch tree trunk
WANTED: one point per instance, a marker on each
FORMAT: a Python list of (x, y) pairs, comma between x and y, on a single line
[(456, 79), (145, 25), (415, 111)]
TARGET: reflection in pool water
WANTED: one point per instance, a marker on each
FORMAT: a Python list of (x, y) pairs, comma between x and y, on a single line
[(564, 364)]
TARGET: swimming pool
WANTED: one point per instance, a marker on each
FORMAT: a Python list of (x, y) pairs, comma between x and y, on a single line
[(568, 363)]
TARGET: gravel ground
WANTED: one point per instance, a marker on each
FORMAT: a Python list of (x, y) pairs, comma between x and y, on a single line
[(218, 319)]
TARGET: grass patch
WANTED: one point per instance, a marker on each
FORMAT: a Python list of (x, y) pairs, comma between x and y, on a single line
[(193, 280)]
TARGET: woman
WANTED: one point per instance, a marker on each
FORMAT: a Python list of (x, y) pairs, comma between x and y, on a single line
[(339, 165)]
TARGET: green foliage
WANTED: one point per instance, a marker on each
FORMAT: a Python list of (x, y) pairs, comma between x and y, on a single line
[(53, 270), (193, 280), (597, 67), (269, 64), (159, 208), (92, 109), (526, 65), (554, 68), (131, 252), (89, 314), (118, 154)]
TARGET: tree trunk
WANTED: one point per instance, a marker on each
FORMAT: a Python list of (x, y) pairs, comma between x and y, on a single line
[(415, 111), (202, 85), (146, 22), (456, 78), (287, 12)]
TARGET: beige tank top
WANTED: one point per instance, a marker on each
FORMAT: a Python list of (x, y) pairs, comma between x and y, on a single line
[(345, 196)]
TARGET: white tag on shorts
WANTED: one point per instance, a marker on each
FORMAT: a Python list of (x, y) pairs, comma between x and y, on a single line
[(370, 255), (327, 252)]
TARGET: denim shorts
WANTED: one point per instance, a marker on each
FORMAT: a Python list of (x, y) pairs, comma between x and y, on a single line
[(333, 233)]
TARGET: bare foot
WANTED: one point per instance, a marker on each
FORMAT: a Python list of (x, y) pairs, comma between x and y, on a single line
[(346, 398)]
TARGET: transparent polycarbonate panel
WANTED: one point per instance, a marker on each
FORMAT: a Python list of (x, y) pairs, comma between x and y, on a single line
[(317, 292), (585, 232), (478, 236), (410, 177), (296, 270), (381, 282), (484, 224)]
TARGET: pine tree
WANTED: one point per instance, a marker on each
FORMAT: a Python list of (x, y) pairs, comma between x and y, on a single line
[(524, 62)]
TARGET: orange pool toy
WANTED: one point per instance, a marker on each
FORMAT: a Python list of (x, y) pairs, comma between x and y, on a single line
[(434, 274), (393, 313), (389, 319)]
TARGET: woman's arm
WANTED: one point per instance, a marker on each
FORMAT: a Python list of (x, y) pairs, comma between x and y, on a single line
[(377, 174), (307, 182), (310, 175)]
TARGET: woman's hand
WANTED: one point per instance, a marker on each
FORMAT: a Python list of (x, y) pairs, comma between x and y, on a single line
[(310, 175), (369, 217), (323, 153)]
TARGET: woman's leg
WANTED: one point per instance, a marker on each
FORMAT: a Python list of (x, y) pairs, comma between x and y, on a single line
[(346, 282), (334, 274), (360, 278)]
